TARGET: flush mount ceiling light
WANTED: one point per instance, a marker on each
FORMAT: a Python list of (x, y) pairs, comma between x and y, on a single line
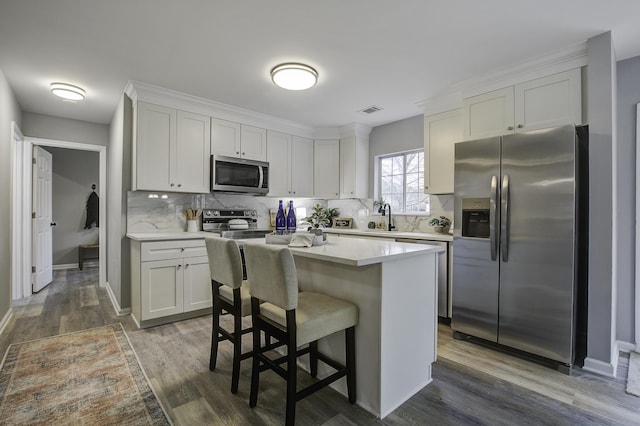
[(292, 76), (67, 91)]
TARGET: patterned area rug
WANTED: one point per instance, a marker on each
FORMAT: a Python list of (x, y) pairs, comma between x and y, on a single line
[(90, 377), (633, 377)]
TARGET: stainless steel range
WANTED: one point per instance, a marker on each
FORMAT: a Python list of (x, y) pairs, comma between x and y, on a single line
[(234, 224)]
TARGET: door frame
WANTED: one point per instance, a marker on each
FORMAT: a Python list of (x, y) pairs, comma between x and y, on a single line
[(21, 208)]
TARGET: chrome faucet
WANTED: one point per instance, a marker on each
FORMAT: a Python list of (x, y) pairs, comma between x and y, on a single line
[(382, 210)]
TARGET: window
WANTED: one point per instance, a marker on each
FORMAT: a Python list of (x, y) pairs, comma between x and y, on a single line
[(402, 182)]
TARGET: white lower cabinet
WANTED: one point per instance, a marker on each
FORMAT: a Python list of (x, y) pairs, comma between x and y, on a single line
[(169, 279)]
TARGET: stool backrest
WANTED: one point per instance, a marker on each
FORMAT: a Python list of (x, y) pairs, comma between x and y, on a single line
[(225, 262), (271, 274)]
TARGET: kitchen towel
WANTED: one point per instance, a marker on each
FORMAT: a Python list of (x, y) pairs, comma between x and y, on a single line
[(301, 240)]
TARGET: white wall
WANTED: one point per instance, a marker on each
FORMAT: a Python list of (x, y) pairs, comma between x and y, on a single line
[(601, 91), (628, 97), (74, 172), (118, 183), (64, 129), (9, 111)]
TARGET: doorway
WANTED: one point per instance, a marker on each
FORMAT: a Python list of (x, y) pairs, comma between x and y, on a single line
[(21, 208)]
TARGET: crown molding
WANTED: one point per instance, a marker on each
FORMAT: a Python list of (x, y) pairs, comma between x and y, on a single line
[(140, 91), (442, 103), (552, 63), (355, 129)]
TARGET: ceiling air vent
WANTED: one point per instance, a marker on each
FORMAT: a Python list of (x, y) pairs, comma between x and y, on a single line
[(371, 109)]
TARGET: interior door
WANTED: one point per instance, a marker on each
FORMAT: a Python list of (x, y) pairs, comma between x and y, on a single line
[(42, 221)]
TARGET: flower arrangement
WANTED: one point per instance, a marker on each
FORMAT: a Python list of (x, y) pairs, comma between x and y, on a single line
[(440, 223), (321, 216)]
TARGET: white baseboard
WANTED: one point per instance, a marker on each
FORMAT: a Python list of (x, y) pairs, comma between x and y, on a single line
[(114, 301), (6, 320), (600, 367), (65, 266), (626, 346)]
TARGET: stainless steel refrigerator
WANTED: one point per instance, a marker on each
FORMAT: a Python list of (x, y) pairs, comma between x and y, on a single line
[(520, 210)]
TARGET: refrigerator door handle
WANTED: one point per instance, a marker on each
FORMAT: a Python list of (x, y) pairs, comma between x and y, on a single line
[(504, 216), (493, 218)]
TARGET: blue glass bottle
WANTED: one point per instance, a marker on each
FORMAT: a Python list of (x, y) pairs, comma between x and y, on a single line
[(291, 218), (281, 220)]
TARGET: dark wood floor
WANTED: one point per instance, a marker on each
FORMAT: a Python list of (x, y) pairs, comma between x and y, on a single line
[(472, 385)]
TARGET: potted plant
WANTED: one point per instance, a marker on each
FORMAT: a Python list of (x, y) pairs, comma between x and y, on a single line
[(321, 216), (440, 224)]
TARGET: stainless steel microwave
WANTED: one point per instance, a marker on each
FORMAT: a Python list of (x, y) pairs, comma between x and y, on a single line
[(239, 175)]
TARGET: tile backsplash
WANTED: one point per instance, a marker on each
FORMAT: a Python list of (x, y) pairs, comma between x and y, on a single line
[(157, 212)]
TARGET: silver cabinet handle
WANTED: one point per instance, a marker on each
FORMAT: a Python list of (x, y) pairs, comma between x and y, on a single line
[(520, 126), (510, 128), (172, 184), (504, 217), (494, 218)]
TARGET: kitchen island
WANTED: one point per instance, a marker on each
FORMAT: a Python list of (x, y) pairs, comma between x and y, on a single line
[(394, 286)]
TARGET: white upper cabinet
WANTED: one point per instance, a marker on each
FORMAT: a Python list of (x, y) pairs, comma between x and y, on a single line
[(489, 114), (279, 158), (326, 168), (302, 167), (544, 102), (193, 152), (290, 165), (549, 101), (354, 167), (253, 143), (441, 132), (238, 140), (225, 138), (171, 150)]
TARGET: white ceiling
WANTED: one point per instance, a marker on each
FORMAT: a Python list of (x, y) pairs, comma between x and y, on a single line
[(368, 52)]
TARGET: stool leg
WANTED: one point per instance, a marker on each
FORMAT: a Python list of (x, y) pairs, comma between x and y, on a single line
[(313, 358), (350, 345), (292, 366), (215, 328), (80, 257), (237, 349), (255, 366)]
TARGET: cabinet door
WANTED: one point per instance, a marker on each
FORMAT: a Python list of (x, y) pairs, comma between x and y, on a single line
[(441, 132), (197, 284), (549, 101), (278, 156), (162, 288), (192, 155), (155, 153), (348, 167), (253, 143), (489, 114), (225, 138), (301, 167), (326, 168)]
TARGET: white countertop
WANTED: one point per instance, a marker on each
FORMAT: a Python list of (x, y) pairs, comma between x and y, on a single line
[(391, 234), (348, 251)]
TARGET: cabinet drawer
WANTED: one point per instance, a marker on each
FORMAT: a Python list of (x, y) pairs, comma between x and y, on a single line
[(161, 250)]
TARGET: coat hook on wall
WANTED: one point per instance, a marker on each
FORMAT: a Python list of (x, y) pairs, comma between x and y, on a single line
[(93, 186)]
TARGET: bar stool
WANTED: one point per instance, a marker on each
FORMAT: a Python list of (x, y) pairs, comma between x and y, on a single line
[(294, 319), (230, 295)]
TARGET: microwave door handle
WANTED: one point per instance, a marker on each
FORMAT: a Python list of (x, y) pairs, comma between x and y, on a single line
[(261, 172), (504, 231), (494, 218)]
